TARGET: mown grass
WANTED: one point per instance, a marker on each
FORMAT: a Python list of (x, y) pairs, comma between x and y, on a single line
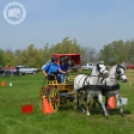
[(25, 90)]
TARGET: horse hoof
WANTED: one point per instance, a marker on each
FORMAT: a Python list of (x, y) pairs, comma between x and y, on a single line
[(121, 112), (88, 114), (106, 115)]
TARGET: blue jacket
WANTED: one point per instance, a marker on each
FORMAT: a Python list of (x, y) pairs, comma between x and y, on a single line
[(51, 68), (64, 68)]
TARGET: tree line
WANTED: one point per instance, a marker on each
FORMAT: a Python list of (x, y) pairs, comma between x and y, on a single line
[(114, 52)]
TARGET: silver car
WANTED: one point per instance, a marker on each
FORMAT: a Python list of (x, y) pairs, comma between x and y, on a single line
[(25, 70)]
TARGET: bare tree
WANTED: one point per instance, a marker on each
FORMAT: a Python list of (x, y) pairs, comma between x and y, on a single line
[(88, 55)]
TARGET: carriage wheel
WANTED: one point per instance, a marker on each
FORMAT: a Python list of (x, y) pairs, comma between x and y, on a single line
[(54, 99), (43, 92)]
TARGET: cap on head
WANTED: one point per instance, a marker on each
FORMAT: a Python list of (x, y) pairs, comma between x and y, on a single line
[(54, 58)]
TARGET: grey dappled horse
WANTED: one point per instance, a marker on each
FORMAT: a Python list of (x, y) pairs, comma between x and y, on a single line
[(110, 84), (88, 84)]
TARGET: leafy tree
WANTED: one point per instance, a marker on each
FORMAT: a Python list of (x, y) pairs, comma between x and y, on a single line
[(22, 58), (9, 57), (45, 54), (116, 52), (66, 46), (131, 52), (2, 58), (31, 57)]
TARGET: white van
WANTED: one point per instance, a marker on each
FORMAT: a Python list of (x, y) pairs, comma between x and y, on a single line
[(88, 66)]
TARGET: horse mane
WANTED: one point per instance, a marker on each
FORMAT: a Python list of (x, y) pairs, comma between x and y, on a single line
[(94, 70)]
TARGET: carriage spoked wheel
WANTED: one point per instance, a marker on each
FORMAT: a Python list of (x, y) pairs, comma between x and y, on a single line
[(54, 99), (43, 92)]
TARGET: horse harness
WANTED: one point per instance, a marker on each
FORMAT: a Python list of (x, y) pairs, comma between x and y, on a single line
[(88, 86), (103, 88), (106, 88)]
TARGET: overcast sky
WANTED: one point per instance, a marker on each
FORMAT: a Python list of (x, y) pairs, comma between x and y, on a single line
[(94, 23)]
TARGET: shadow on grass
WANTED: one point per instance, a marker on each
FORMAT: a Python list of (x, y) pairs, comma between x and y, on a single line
[(96, 111), (117, 112)]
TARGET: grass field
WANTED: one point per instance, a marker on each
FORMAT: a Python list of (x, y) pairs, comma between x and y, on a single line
[(25, 90)]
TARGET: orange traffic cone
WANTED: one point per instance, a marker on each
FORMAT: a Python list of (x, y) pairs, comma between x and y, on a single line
[(111, 103), (3, 83), (46, 108)]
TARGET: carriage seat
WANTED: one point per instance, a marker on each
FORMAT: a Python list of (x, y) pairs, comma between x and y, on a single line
[(52, 77), (52, 80)]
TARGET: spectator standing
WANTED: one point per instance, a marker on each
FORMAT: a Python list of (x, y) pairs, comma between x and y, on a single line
[(7, 71), (70, 62), (12, 70)]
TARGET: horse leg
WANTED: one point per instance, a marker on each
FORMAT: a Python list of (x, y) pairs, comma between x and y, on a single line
[(95, 101), (88, 104), (82, 96), (106, 100), (120, 102), (102, 105), (76, 99)]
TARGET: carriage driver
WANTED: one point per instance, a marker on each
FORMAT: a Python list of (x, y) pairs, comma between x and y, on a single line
[(52, 68)]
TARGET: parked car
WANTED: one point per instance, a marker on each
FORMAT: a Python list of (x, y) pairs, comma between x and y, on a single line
[(25, 70), (88, 66), (130, 66)]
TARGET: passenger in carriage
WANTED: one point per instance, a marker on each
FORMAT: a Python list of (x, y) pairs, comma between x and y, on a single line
[(52, 68), (70, 62), (63, 68)]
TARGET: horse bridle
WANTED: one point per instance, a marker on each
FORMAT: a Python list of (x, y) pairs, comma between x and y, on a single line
[(118, 72), (101, 73)]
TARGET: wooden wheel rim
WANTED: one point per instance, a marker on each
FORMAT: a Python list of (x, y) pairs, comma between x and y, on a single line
[(54, 99)]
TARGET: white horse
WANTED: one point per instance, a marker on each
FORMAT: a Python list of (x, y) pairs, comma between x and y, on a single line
[(83, 82), (111, 86)]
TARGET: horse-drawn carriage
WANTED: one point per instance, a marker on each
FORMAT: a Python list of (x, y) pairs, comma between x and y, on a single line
[(89, 85), (61, 93)]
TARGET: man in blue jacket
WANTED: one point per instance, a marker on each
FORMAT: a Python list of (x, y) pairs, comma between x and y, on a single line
[(52, 68)]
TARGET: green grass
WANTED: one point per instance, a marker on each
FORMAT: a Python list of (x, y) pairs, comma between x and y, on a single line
[(25, 90)]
